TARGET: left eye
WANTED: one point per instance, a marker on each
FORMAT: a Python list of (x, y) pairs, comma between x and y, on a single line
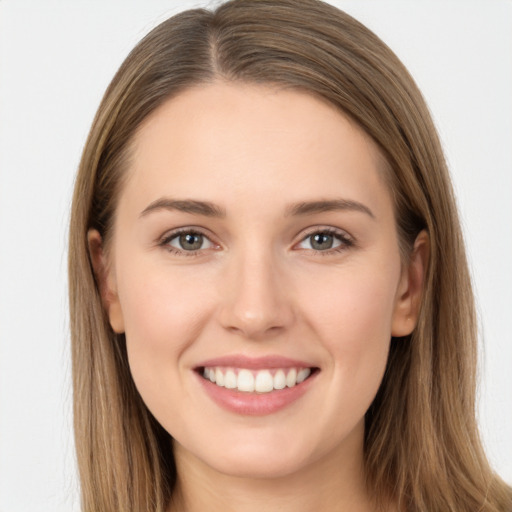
[(323, 240), (189, 241)]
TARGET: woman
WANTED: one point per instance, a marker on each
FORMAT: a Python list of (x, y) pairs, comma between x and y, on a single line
[(270, 301)]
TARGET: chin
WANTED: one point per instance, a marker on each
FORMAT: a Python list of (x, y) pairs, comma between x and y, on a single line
[(259, 458), (262, 467)]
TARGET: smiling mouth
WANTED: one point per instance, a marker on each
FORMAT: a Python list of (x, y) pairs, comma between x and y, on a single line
[(256, 381)]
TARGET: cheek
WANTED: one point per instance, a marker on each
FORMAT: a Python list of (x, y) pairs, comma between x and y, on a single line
[(162, 303), (353, 319), (164, 314), (353, 304)]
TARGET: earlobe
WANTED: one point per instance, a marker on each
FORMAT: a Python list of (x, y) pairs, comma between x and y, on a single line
[(410, 289), (105, 281)]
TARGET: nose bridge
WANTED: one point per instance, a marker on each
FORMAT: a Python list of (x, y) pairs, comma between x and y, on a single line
[(255, 300)]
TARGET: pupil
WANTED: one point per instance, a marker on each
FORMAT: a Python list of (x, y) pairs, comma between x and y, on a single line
[(191, 241), (322, 241)]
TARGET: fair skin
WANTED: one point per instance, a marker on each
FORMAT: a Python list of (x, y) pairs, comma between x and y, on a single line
[(268, 288)]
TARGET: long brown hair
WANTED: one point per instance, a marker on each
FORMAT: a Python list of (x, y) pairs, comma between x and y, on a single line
[(422, 448)]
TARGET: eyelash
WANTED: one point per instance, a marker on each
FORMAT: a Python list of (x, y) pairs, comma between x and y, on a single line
[(171, 236), (346, 241)]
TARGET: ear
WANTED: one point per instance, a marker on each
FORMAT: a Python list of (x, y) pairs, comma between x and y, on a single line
[(410, 288), (106, 281)]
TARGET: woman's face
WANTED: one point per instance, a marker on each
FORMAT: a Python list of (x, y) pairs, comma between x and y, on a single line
[(255, 245)]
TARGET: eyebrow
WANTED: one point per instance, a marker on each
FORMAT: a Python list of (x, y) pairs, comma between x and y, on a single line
[(209, 209), (310, 207), (187, 206)]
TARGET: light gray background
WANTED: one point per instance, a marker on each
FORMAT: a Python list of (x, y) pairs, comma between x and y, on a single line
[(56, 58)]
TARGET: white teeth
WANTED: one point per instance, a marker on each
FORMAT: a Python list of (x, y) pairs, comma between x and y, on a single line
[(219, 377), (261, 381), (230, 379), (279, 380), (291, 378), (303, 375), (264, 382), (245, 381)]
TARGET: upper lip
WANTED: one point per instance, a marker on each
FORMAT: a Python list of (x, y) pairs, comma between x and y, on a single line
[(255, 363)]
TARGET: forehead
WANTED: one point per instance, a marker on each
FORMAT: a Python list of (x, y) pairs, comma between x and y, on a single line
[(229, 141)]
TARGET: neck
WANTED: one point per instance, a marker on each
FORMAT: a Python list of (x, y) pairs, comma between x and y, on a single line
[(335, 482)]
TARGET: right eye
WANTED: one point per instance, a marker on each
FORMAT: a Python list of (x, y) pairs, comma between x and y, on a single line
[(186, 242)]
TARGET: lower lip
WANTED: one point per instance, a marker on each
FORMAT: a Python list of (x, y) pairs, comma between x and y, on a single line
[(255, 404)]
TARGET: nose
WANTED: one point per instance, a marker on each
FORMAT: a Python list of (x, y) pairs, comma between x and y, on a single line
[(256, 299)]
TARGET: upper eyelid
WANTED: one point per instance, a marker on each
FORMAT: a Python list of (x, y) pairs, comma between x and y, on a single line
[(169, 235), (326, 229), (344, 236)]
